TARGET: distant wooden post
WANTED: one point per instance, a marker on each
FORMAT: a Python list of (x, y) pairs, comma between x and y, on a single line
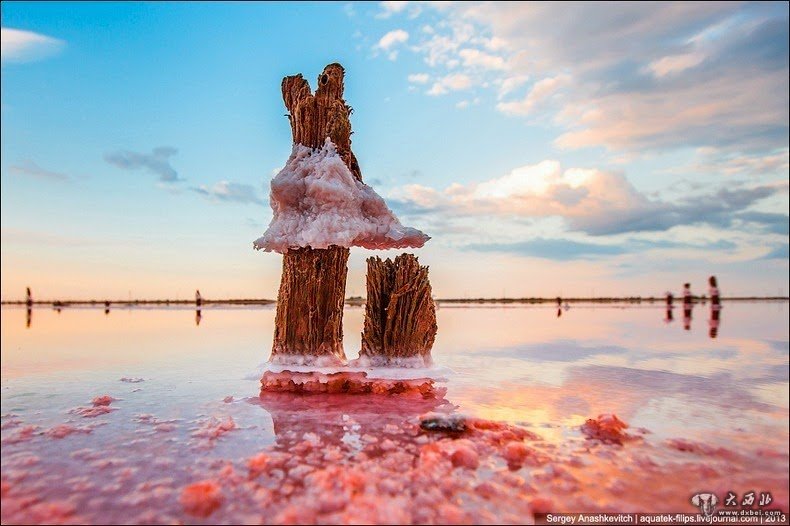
[(400, 314), (309, 319)]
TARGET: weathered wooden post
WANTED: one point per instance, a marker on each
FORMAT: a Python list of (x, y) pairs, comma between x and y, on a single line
[(400, 315), (321, 207), (309, 320)]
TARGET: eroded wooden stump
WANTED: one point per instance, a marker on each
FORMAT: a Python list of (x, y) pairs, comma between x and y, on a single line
[(309, 321), (400, 314), (315, 117)]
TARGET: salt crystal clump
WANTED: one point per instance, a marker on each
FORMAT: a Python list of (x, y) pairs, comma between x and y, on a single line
[(317, 202), (202, 498), (20, 435), (103, 400), (465, 454), (214, 428), (350, 382), (258, 464), (607, 428), (320, 361), (515, 453), (64, 430), (92, 412), (398, 362), (699, 448)]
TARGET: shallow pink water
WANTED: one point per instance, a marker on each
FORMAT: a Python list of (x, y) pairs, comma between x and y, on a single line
[(184, 437)]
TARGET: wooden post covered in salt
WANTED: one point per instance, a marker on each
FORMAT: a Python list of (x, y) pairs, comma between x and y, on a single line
[(400, 315), (309, 320), (320, 208)]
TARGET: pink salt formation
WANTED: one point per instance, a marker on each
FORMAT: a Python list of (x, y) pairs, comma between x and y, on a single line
[(64, 430), (100, 405), (338, 459), (607, 428), (202, 498), (103, 400), (91, 412), (344, 382), (317, 203), (213, 428)]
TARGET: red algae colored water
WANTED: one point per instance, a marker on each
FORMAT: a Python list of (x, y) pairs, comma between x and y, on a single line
[(541, 415)]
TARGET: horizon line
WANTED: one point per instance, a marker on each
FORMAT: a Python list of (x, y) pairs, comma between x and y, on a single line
[(360, 300)]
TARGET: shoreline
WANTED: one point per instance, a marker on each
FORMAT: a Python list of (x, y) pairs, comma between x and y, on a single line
[(361, 301)]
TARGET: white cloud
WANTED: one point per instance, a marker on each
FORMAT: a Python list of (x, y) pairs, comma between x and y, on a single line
[(441, 49), (542, 90), (393, 38), (437, 89), (17, 45), (419, 78), (716, 73), (744, 109), (390, 8), (476, 58), (718, 161), (692, 74), (389, 42), (509, 84), (457, 81), (495, 43), (533, 190), (466, 103), (452, 82), (349, 10), (674, 64), (593, 201), (549, 36)]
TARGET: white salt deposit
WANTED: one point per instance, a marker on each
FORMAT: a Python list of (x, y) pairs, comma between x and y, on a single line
[(307, 360), (317, 202), (434, 372), (411, 362)]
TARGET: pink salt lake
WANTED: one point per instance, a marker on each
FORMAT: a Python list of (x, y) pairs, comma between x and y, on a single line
[(142, 416)]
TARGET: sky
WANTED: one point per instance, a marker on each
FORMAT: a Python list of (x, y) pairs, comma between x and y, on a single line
[(547, 148)]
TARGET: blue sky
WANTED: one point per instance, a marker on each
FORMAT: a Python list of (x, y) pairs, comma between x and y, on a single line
[(606, 149)]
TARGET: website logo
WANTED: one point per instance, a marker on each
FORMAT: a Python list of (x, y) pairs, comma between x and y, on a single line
[(705, 502)]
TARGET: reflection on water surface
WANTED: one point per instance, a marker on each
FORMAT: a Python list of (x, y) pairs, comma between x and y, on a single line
[(187, 437)]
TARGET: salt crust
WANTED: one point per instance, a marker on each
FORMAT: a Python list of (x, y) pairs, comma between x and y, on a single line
[(317, 202), (435, 373), (346, 383)]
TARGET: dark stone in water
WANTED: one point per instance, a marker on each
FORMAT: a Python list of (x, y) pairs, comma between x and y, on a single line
[(443, 423)]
